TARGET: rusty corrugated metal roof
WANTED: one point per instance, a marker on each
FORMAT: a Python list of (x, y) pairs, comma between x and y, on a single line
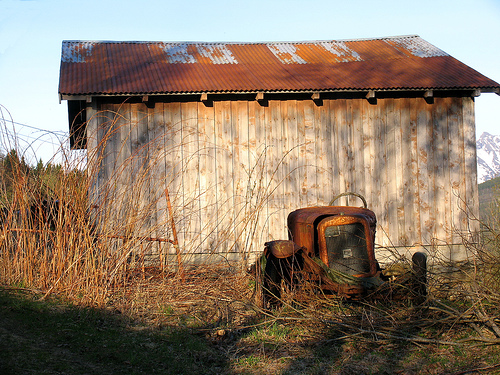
[(393, 63)]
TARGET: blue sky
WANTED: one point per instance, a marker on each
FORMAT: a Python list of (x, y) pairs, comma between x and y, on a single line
[(31, 33)]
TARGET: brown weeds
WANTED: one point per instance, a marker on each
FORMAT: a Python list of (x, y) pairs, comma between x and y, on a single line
[(100, 249)]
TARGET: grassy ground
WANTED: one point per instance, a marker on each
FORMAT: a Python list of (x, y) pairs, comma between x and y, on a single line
[(206, 324), (55, 338), (74, 303)]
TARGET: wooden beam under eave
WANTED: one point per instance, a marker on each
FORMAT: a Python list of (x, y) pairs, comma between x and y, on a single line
[(147, 100), (205, 100), (261, 99), (429, 97), (370, 96), (316, 97)]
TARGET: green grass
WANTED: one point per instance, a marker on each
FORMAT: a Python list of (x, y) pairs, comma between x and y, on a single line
[(54, 337), (51, 338), (488, 194)]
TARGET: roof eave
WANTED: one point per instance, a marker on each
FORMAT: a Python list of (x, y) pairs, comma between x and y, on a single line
[(88, 96)]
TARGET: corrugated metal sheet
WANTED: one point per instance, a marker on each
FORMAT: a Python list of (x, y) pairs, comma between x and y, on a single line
[(399, 63)]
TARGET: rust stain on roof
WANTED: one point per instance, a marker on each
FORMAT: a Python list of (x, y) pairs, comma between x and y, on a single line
[(399, 63)]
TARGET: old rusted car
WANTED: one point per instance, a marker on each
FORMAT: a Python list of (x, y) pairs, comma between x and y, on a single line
[(332, 248)]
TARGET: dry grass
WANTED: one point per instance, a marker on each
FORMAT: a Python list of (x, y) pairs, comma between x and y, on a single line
[(116, 265)]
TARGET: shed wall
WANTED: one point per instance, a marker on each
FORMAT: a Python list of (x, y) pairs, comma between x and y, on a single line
[(235, 170)]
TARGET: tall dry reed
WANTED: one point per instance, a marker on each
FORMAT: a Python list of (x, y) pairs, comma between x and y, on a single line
[(81, 229)]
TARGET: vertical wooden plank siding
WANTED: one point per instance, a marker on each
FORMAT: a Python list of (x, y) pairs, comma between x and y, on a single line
[(286, 149), (381, 172), (234, 170), (358, 152), (400, 161), (326, 185), (207, 200), (177, 179), (273, 166), (350, 165), (92, 157), (371, 192), (158, 180), (342, 140), (440, 157), (471, 168), (107, 186), (392, 176), (417, 182), (310, 168), (333, 148), (144, 169), (239, 144), (445, 139), (457, 169), (244, 212), (424, 164), (261, 189), (190, 173), (302, 155), (407, 157), (321, 180)]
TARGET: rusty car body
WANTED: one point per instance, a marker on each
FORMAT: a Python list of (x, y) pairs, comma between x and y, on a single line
[(333, 248)]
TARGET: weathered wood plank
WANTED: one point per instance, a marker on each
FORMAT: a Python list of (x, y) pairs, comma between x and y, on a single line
[(143, 174), (358, 151), (380, 183), (397, 190), (424, 135), (239, 131), (343, 149), (410, 159), (224, 185), (190, 175), (368, 141), (407, 150), (208, 187), (310, 161), (274, 167), (349, 165), (457, 169), (320, 186), (261, 178), (327, 184), (93, 157), (302, 153), (176, 178), (471, 168), (438, 125), (245, 214), (292, 190), (158, 155)]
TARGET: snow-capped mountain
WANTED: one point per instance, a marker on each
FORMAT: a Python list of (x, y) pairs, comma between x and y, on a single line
[(488, 157)]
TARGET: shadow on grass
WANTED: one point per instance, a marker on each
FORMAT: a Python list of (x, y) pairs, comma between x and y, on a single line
[(355, 344), (48, 338)]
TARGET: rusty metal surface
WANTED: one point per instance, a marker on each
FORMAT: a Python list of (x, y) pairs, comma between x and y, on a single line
[(301, 222), (369, 232), (400, 63), (282, 248)]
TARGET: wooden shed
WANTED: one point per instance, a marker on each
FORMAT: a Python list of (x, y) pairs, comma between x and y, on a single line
[(237, 135)]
